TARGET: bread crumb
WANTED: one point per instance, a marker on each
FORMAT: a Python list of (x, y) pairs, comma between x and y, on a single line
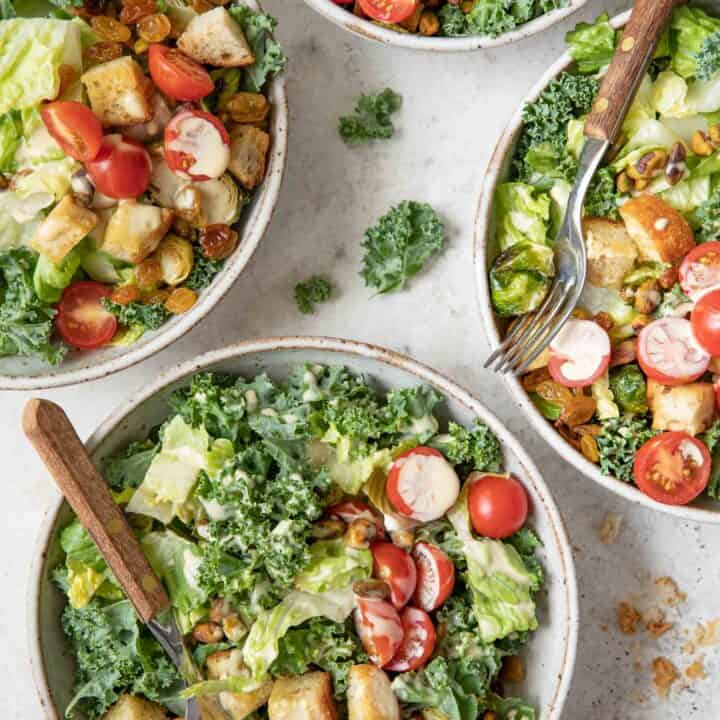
[(611, 527), (671, 593), (628, 618), (664, 675), (658, 627), (695, 671), (708, 634)]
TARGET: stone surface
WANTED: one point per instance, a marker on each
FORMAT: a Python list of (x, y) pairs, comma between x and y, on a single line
[(455, 107)]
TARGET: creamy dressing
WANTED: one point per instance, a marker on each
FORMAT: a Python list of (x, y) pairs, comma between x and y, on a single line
[(200, 139), (585, 345), (216, 511)]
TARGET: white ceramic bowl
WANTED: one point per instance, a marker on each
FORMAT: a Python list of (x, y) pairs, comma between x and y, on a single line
[(704, 510), (366, 29), (551, 653), (18, 373)]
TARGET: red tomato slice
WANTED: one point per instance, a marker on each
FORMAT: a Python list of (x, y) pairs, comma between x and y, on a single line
[(81, 320), (178, 75), (668, 352), (498, 505), (700, 270), (197, 145), (579, 354), (422, 484), (74, 127), (380, 629), (121, 169), (435, 576), (673, 468), (350, 510), (705, 321), (388, 11), (393, 565), (417, 645)]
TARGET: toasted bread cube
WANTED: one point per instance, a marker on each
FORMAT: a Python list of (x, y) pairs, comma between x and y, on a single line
[(248, 154), (214, 38), (660, 232), (370, 695), (684, 407), (303, 697), (135, 230), (66, 225), (119, 92), (611, 252), (228, 663), (131, 707)]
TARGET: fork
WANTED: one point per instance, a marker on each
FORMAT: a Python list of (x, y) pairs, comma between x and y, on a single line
[(529, 337)]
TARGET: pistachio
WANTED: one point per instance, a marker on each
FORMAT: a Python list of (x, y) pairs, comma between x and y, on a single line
[(701, 144), (207, 632), (623, 182), (648, 165), (675, 168), (82, 188), (328, 529), (403, 538), (360, 533), (648, 296)]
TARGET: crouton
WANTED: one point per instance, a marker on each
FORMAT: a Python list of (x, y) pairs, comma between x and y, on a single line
[(119, 92), (661, 233), (131, 707), (228, 663), (370, 696), (248, 154), (135, 230), (303, 697), (685, 407), (611, 252), (214, 38), (66, 225)]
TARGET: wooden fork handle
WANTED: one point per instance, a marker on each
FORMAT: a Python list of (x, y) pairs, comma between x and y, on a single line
[(54, 438), (632, 57)]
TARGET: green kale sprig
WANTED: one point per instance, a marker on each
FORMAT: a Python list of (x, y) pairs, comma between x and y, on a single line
[(147, 315), (315, 289), (371, 119), (618, 443)]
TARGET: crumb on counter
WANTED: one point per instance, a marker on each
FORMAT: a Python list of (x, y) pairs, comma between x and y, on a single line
[(658, 627), (611, 528), (664, 675), (628, 618), (671, 593), (695, 671)]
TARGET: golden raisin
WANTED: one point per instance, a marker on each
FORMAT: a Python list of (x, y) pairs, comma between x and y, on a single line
[(154, 28), (125, 294), (553, 392), (157, 298), (534, 378), (104, 52), (180, 300), (201, 6), (578, 410), (604, 320), (218, 241), (134, 10), (148, 274), (107, 28), (140, 46), (589, 448)]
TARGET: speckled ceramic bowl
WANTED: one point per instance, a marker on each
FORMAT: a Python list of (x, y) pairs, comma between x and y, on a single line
[(369, 30), (704, 510), (18, 373), (551, 654)]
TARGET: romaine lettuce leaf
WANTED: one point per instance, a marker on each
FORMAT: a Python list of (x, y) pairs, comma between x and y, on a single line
[(592, 45), (521, 215), (689, 29), (334, 566), (50, 279)]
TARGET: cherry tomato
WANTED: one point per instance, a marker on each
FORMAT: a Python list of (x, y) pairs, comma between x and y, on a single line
[(705, 321), (418, 643), (380, 629), (396, 567), (121, 169), (422, 484), (668, 352), (197, 145), (498, 505), (81, 320), (74, 127), (579, 354), (700, 270), (350, 510), (435, 576), (388, 11), (672, 468), (178, 75)]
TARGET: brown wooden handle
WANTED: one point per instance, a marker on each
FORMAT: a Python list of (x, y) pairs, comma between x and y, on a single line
[(628, 66), (54, 438)]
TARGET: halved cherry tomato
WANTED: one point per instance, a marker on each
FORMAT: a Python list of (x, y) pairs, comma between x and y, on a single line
[(178, 75), (81, 319), (121, 169), (498, 505), (672, 468), (350, 510), (668, 352), (393, 565), (435, 576), (700, 270), (74, 127), (197, 145), (422, 484), (705, 321), (418, 643), (579, 354), (379, 627), (388, 11)]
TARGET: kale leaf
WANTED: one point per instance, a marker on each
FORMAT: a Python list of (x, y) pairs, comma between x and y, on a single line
[(371, 119), (203, 271), (602, 199), (148, 315), (128, 468), (708, 217), (315, 289), (477, 447), (618, 443), (708, 59)]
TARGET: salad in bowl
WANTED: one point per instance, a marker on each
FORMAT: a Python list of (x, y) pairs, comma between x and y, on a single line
[(631, 380), (332, 547), (125, 168)]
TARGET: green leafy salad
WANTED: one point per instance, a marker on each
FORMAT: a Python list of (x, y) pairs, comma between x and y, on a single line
[(329, 550)]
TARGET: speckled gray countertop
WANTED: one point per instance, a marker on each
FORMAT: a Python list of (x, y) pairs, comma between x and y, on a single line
[(455, 108)]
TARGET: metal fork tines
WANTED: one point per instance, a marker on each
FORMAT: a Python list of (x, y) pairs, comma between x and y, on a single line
[(527, 339)]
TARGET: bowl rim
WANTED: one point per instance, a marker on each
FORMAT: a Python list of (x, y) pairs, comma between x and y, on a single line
[(567, 580), (480, 261), (369, 30), (266, 196)]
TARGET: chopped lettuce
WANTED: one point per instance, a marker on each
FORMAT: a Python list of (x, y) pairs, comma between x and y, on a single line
[(592, 45), (333, 566), (690, 28), (521, 215), (50, 279)]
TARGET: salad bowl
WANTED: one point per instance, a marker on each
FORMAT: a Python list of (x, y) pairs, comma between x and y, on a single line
[(549, 657), (486, 249)]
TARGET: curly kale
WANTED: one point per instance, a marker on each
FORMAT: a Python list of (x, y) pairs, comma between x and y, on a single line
[(128, 468), (400, 244), (602, 199), (478, 448), (147, 315), (203, 271), (618, 443), (708, 59), (315, 289), (711, 437), (371, 119), (708, 217)]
